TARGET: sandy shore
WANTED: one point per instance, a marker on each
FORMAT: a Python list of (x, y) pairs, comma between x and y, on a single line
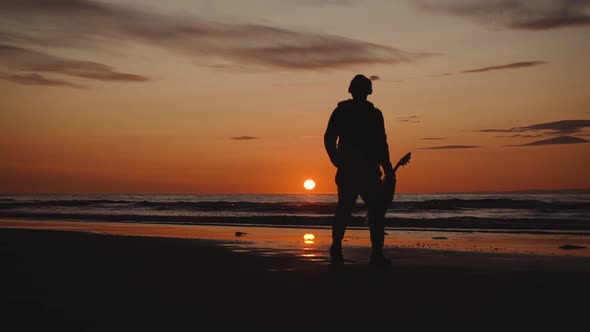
[(79, 281), (289, 239)]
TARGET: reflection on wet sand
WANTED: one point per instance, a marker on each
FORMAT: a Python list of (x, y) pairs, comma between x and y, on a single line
[(308, 241)]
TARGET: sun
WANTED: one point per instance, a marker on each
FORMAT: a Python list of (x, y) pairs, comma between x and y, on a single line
[(309, 184)]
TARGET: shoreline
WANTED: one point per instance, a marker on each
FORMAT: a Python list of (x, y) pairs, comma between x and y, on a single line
[(533, 224), (291, 238), (576, 232)]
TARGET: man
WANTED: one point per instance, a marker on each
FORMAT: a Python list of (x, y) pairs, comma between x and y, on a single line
[(356, 143)]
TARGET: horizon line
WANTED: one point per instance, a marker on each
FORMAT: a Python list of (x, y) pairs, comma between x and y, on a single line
[(523, 191)]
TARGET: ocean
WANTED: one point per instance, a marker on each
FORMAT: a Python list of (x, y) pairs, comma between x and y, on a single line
[(528, 211)]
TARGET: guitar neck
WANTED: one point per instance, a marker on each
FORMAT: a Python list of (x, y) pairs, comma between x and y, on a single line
[(402, 162)]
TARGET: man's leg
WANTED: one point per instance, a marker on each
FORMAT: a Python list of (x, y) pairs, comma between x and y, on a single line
[(377, 227), (347, 196), (373, 197)]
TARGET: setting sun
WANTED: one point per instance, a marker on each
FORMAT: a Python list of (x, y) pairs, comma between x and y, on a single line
[(309, 184)]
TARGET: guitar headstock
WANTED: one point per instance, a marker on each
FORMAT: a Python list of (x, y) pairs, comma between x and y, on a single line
[(405, 159)]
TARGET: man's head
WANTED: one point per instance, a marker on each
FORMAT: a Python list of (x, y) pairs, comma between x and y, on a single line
[(360, 87)]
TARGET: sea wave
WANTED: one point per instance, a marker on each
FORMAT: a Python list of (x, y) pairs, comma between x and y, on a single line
[(299, 207), (407, 210)]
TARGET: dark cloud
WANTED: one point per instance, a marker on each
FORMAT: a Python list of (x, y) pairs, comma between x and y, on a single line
[(552, 22), (323, 2), (451, 147), (557, 127), (556, 141), (520, 136), (244, 138), (515, 14), (89, 23), (18, 58), (496, 130), (409, 119), (514, 65), (432, 138), (36, 79), (380, 79)]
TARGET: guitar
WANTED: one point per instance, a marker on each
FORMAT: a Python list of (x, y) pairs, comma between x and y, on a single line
[(389, 184), (403, 162), (388, 187)]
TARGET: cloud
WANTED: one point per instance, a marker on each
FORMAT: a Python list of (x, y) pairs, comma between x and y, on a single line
[(244, 138), (520, 135), (409, 119), (432, 138), (515, 14), (552, 22), (18, 58), (89, 23), (557, 127), (514, 65), (380, 79), (450, 147), (556, 141), (36, 79), (323, 2)]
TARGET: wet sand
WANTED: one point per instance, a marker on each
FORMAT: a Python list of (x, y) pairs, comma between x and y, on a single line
[(289, 239), (80, 281)]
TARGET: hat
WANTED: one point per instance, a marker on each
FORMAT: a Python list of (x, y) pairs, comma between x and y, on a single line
[(360, 84)]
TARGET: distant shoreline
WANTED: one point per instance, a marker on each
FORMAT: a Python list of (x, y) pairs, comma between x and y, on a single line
[(454, 223), (580, 232)]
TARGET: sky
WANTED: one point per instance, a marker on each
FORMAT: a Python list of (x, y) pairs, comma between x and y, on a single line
[(187, 96)]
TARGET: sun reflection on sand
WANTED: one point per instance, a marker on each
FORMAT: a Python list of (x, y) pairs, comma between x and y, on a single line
[(310, 249)]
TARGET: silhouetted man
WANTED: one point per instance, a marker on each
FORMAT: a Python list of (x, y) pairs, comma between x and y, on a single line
[(356, 143)]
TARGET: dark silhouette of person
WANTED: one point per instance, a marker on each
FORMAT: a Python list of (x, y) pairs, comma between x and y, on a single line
[(356, 143)]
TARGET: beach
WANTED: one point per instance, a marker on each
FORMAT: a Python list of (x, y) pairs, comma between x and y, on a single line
[(97, 277), (294, 165)]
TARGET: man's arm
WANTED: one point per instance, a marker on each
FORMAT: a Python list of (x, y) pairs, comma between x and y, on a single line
[(330, 138)]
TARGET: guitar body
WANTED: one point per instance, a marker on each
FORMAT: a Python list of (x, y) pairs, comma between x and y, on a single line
[(389, 184), (388, 191)]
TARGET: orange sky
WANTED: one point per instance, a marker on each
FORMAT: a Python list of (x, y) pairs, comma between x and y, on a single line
[(146, 97)]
